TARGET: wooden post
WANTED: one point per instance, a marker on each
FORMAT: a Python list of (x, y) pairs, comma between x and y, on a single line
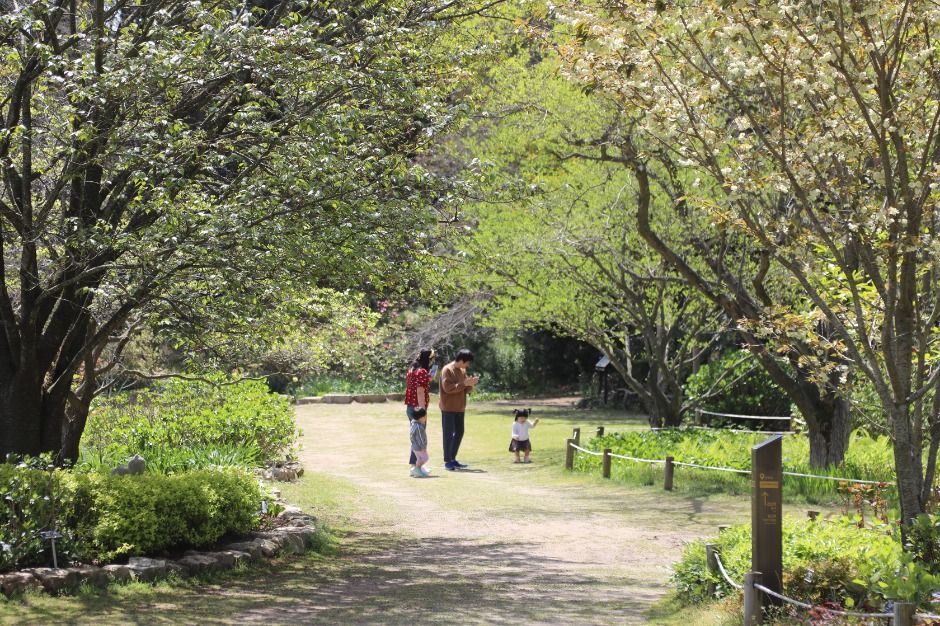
[(576, 435), (752, 599), (766, 515), (812, 515), (903, 614), (667, 474), (605, 467), (569, 454), (711, 564), (600, 431)]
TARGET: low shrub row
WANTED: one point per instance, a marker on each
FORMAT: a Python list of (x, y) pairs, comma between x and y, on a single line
[(180, 425), (102, 517), (835, 563), (868, 458)]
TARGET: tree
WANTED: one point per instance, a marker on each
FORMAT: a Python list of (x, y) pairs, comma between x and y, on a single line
[(560, 250), (819, 124), (178, 163)]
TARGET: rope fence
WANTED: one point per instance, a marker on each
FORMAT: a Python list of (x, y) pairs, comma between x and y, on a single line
[(738, 430), (902, 616), (778, 418), (670, 463), (724, 572), (804, 605), (712, 467), (633, 458), (903, 612)]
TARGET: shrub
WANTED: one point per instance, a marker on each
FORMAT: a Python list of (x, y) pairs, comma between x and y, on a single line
[(190, 423), (32, 500), (835, 562), (745, 388), (146, 514)]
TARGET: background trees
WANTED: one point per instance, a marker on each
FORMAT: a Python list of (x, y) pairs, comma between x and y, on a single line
[(556, 236), (173, 163), (817, 123)]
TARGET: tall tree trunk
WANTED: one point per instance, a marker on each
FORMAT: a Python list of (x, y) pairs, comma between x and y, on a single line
[(829, 432), (21, 423)]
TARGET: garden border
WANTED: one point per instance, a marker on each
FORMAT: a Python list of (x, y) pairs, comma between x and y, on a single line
[(296, 536)]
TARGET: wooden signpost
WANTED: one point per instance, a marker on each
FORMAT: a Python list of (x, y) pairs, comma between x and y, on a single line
[(766, 514)]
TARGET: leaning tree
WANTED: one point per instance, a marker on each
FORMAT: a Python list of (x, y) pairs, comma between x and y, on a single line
[(176, 161)]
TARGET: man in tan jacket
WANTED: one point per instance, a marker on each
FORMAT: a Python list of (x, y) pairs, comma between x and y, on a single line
[(454, 387)]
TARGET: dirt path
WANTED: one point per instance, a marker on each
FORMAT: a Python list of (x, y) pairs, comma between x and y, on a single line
[(501, 543)]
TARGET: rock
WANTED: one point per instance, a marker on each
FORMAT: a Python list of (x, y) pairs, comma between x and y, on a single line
[(143, 568), (197, 564), (310, 400), (251, 548), (290, 542), (18, 582), (238, 557), (290, 511), (224, 559), (118, 573), (309, 535), (296, 466), (173, 567), (55, 579), (336, 398), (90, 575), (370, 398), (136, 465), (395, 397), (120, 470), (268, 547), (283, 474)]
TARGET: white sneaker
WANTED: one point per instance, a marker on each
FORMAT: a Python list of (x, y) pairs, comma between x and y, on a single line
[(411, 472)]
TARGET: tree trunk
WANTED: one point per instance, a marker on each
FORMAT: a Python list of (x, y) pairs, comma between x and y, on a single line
[(829, 432), (21, 422), (76, 415)]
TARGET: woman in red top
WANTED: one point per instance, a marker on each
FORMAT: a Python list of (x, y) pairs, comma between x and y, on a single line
[(418, 387)]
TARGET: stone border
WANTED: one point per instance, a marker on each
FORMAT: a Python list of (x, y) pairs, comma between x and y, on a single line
[(345, 398), (295, 537)]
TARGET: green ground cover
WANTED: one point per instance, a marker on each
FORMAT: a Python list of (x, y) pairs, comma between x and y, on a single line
[(187, 424), (868, 458)]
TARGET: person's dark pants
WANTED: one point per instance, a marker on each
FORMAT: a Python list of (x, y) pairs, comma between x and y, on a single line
[(410, 410), (452, 425)]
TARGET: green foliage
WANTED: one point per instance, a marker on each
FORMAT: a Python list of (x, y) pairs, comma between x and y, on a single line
[(923, 540), (868, 458), (180, 424), (102, 516), (736, 383), (32, 500), (334, 383), (145, 514), (825, 561)]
